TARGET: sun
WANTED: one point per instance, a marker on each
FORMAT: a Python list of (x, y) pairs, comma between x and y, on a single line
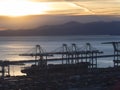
[(22, 8)]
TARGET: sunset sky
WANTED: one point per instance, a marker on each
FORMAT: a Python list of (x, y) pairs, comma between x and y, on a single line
[(15, 14)]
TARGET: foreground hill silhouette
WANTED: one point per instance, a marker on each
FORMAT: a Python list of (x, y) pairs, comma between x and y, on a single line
[(70, 28)]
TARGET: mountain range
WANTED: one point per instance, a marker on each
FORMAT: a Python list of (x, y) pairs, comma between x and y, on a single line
[(70, 28)]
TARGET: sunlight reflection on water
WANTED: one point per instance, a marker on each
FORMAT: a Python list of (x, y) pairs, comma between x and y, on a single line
[(10, 47)]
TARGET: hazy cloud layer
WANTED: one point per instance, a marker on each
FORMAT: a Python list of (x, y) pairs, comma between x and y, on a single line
[(37, 21), (62, 11), (45, 0), (97, 7), (74, 0), (86, 7), (71, 7)]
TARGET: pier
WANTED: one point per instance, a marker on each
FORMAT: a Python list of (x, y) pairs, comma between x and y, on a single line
[(65, 55), (77, 67)]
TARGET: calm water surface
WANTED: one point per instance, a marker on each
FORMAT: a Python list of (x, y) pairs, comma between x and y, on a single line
[(10, 47)]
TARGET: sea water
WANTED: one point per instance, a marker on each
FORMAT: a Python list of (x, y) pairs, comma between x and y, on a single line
[(11, 47)]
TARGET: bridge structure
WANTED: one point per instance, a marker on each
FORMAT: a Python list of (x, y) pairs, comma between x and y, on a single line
[(116, 47), (65, 54), (5, 67)]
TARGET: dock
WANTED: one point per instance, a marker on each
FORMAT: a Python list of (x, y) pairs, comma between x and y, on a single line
[(73, 63), (67, 55)]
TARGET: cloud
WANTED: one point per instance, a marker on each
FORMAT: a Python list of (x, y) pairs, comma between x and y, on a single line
[(52, 0), (69, 12), (46, 0), (84, 8), (29, 22), (74, 0), (92, 7), (2, 28)]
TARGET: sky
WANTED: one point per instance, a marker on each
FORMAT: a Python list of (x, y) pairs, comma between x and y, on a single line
[(27, 14)]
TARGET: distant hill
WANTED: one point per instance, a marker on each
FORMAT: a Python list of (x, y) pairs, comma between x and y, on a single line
[(70, 28)]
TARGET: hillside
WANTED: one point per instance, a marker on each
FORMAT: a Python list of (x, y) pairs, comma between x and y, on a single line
[(70, 28)]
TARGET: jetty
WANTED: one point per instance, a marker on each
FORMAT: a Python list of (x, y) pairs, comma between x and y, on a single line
[(73, 63)]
